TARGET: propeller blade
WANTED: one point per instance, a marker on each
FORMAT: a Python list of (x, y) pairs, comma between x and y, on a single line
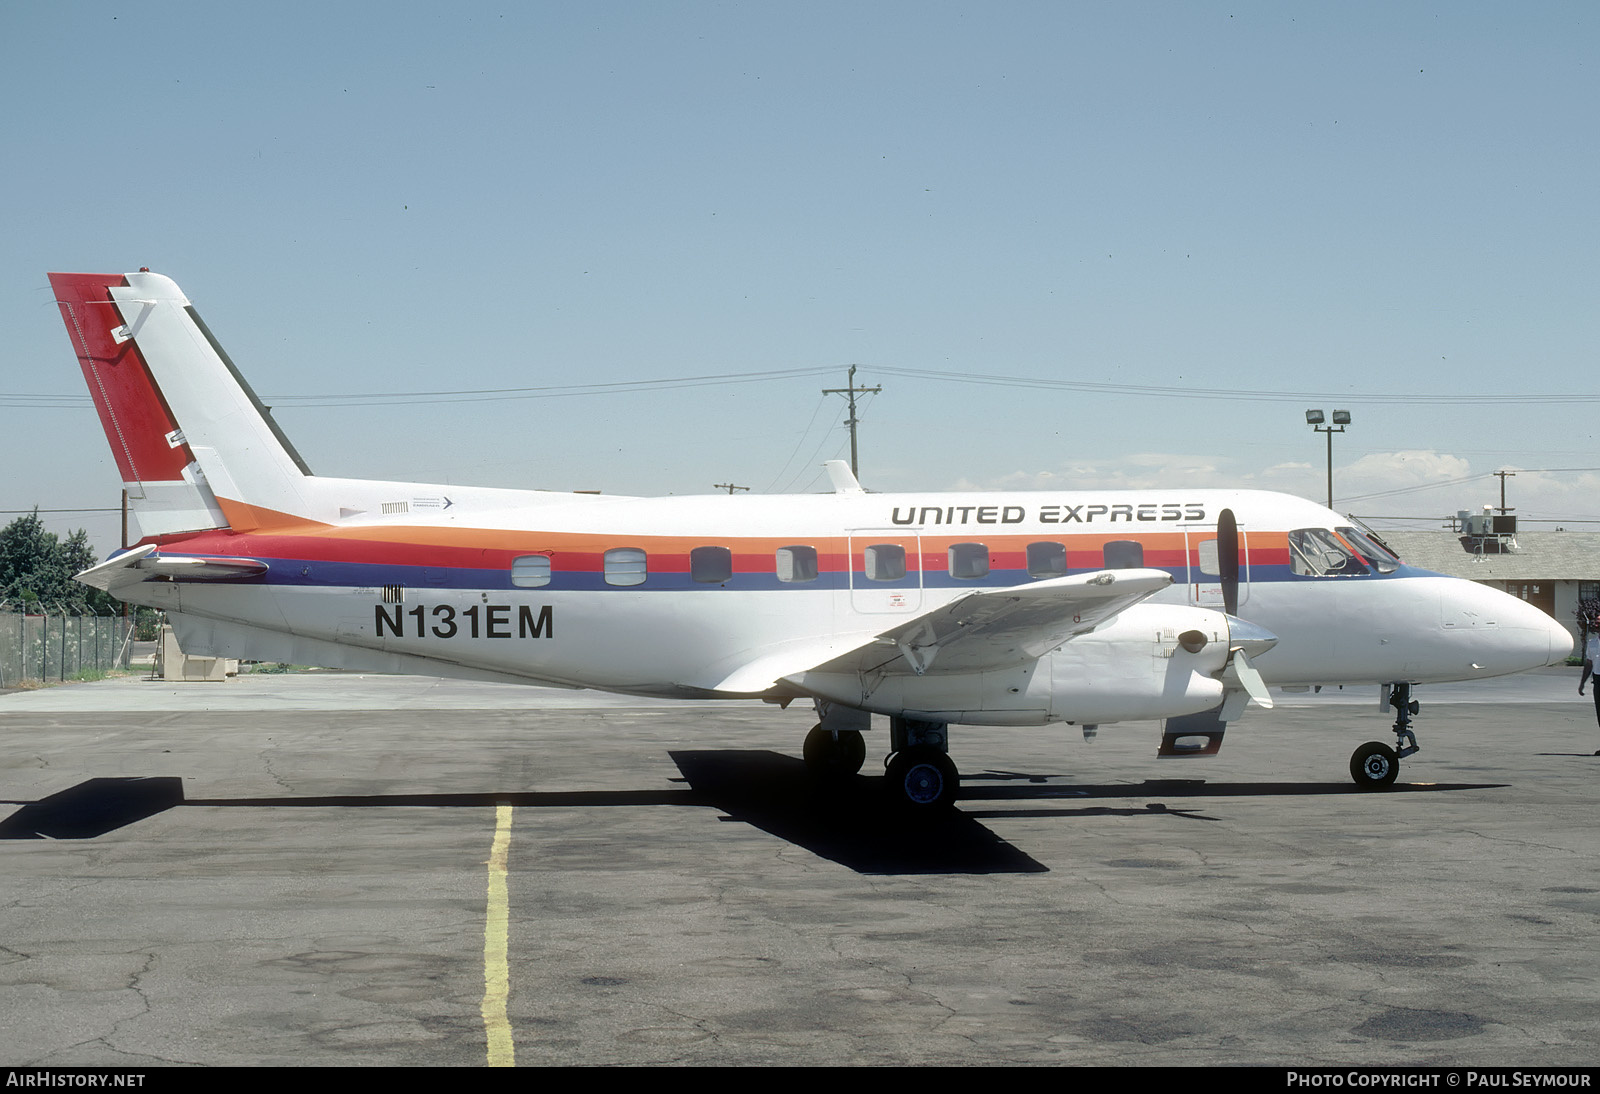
[(1249, 679), (1228, 560)]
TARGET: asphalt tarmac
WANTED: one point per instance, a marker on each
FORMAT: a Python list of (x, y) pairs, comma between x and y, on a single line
[(290, 870)]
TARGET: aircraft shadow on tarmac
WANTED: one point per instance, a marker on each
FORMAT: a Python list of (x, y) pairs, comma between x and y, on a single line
[(853, 823), (848, 821)]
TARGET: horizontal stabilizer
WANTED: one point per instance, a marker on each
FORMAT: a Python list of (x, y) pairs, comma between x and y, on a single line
[(143, 564)]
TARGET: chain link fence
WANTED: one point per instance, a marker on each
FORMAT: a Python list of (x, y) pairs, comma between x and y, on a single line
[(42, 646)]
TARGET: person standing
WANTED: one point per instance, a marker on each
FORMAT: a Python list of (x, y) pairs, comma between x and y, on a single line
[(1591, 654)]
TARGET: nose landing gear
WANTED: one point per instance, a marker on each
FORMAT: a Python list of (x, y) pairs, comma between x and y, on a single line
[(1375, 765)]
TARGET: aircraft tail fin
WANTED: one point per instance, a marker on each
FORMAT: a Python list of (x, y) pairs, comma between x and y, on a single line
[(197, 450)]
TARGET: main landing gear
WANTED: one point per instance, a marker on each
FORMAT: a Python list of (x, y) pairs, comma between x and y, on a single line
[(919, 776), (923, 780), (834, 748), (833, 753), (1374, 765)]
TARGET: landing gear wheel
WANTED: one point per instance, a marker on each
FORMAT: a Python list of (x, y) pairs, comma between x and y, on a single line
[(923, 780), (1374, 766), (828, 756)]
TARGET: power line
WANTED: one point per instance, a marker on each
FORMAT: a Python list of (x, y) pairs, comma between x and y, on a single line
[(547, 391), (1235, 394), (803, 435), (1457, 482), (44, 402), (787, 486), (555, 391), (1412, 489), (1437, 517), (8, 512), (468, 395)]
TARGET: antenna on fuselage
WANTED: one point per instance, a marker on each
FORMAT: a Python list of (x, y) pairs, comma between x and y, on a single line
[(843, 481)]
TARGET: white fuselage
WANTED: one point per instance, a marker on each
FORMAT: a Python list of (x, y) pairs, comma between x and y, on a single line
[(441, 594)]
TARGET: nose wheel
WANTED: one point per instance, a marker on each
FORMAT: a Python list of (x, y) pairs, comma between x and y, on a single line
[(1375, 765)]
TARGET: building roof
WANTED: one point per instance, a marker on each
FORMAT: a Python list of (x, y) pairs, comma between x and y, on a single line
[(1538, 556)]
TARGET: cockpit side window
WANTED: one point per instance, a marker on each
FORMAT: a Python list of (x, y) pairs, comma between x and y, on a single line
[(1378, 556), (1317, 552)]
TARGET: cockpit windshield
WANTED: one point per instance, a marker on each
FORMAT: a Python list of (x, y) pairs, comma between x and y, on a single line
[(1377, 554), (1317, 552)]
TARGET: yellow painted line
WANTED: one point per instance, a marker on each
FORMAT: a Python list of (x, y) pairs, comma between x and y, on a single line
[(496, 931)]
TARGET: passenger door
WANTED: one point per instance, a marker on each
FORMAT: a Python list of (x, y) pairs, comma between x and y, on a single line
[(1205, 576), (885, 571)]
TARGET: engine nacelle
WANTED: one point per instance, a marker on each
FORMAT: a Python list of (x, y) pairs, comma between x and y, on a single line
[(1150, 661)]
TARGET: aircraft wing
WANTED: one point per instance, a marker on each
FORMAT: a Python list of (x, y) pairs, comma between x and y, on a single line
[(980, 631), (1000, 627)]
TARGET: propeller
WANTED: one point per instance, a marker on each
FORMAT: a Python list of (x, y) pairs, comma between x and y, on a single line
[(1228, 560), (1241, 680), (1245, 639)]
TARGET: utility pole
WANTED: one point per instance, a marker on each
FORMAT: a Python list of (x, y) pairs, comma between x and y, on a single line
[(729, 487), (852, 391), (1504, 475)]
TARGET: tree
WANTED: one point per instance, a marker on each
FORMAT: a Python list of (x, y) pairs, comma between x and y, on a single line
[(36, 568)]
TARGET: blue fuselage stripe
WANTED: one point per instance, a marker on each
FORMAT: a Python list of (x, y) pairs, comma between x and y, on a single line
[(312, 573)]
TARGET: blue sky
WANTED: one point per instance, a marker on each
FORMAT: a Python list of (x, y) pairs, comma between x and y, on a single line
[(1363, 205)]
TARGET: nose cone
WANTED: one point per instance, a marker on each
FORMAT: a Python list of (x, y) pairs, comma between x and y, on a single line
[(1561, 641), (1508, 634), (1545, 641)]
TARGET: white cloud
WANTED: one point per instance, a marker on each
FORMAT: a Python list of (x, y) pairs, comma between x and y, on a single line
[(1136, 471), (1423, 483)]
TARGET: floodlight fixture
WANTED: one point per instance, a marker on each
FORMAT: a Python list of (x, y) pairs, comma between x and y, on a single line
[(1341, 418)]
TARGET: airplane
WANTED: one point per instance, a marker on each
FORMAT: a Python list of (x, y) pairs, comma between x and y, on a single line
[(930, 609)]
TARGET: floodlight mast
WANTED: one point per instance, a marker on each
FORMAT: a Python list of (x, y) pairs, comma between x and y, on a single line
[(1341, 418)]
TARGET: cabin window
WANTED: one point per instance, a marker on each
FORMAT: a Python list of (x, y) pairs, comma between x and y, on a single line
[(969, 561), (1207, 552), (797, 563), (1123, 554), (530, 571), (1317, 552), (884, 562), (711, 565), (1047, 560), (625, 566)]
